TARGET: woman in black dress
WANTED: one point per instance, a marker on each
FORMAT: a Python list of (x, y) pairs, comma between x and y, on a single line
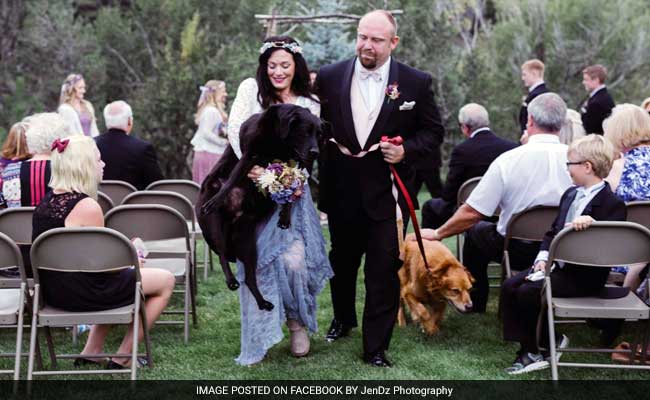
[(76, 171)]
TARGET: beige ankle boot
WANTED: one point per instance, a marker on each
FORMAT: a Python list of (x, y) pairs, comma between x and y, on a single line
[(299, 338)]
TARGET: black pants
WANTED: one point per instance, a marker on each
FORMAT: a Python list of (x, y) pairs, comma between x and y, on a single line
[(521, 303), (436, 212), (431, 178), (351, 239), (484, 244)]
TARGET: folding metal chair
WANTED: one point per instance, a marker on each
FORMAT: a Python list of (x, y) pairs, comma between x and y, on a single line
[(463, 194), (17, 224), (12, 298), (190, 190), (105, 202), (529, 225), (603, 244), (164, 232), (179, 203), (116, 190), (89, 250)]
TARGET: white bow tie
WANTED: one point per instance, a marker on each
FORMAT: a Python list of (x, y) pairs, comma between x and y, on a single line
[(370, 74)]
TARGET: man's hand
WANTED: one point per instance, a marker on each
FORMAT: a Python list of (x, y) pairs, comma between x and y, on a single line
[(255, 172), (392, 154), (428, 234), (539, 266), (581, 223)]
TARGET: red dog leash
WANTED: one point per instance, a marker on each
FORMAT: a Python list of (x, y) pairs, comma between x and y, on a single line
[(398, 141)]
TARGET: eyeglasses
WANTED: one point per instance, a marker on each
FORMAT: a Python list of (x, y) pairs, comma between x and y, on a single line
[(569, 163)]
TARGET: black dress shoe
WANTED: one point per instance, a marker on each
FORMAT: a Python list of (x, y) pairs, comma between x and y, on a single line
[(337, 330), (377, 360)]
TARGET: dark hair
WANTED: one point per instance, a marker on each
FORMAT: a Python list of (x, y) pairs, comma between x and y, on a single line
[(300, 85)]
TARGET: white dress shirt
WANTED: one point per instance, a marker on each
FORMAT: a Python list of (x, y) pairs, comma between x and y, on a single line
[(373, 88), (471, 135), (530, 89), (527, 176), (589, 194), (596, 90)]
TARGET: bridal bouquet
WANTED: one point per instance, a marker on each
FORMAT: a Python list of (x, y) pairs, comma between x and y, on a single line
[(284, 183)]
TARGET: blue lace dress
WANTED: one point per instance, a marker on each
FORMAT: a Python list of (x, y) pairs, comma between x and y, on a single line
[(635, 180), (292, 269)]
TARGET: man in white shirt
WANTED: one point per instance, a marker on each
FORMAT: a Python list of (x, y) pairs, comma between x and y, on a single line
[(530, 175)]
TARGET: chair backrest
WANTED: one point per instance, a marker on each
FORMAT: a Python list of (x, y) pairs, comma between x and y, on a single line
[(531, 224), (10, 257), (466, 189), (639, 212), (17, 224), (187, 188), (176, 201), (87, 249), (116, 190), (148, 222), (105, 202), (603, 244)]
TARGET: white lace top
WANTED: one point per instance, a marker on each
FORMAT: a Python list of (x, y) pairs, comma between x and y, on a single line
[(246, 104)]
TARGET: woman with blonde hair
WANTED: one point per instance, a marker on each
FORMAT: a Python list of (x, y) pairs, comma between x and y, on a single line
[(77, 169), (25, 182), (572, 128), (210, 139), (77, 112), (628, 128)]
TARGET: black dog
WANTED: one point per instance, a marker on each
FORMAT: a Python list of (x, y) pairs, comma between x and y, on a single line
[(230, 206)]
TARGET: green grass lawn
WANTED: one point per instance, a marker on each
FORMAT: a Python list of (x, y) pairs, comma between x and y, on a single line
[(468, 347)]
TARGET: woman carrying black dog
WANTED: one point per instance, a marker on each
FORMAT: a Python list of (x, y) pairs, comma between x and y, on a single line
[(293, 266)]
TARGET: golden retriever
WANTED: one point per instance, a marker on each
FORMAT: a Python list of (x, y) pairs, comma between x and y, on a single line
[(426, 292)]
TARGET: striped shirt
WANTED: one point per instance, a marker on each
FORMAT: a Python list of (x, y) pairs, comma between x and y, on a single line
[(26, 183)]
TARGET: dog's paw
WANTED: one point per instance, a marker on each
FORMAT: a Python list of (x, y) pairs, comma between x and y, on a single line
[(233, 285), (265, 306)]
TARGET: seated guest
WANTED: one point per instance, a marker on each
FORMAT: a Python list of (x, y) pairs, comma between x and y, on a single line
[(599, 104), (530, 175), (629, 131), (572, 128), (589, 161), (14, 150), (25, 182), (127, 158), (76, 172), (469, 159)]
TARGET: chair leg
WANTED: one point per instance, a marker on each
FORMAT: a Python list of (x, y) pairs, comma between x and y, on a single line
[(32, 335), (206, 261), (19, 333), (551, 329), (186, 312), (136, 333), (50, 346), (147, 337)]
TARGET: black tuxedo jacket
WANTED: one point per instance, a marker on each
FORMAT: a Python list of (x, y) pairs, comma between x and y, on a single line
[(605, 206), (349, 185), (598, 107), (471, 158), (128, 159), (523, 112)]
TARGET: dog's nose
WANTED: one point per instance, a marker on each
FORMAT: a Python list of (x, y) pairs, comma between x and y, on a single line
[(468, 307)]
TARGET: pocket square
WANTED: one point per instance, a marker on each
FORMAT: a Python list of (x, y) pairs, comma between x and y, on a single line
[(407, 105)]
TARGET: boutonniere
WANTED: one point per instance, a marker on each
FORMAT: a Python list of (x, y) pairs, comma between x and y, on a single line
[(391, 92)]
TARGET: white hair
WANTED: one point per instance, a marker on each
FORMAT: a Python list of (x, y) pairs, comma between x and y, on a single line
[(474, 116), (42, 130), (117, 114), (548, 112)]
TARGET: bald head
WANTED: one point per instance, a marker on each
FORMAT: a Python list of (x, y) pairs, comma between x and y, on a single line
[(118, 115), (380, 17), (474, 116), (376, 38)]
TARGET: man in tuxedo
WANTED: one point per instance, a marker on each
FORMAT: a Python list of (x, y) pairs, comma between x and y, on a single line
[(532, 74), (599, 104), (364, 98), (469, 159), (127, 158)]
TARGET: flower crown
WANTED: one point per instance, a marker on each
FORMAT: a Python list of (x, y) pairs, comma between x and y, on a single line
[(293, 47)]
